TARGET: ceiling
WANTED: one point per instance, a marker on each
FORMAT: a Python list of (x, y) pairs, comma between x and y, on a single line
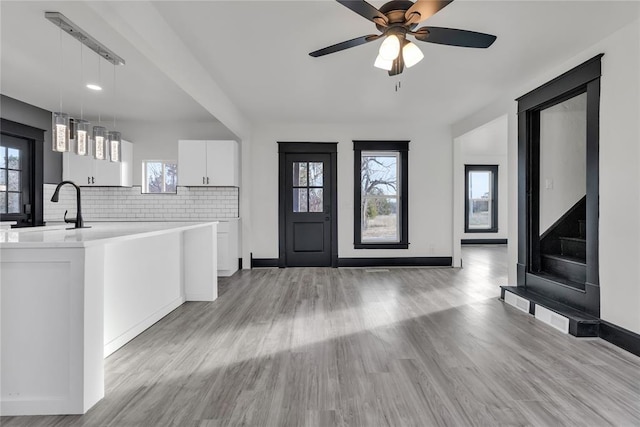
[(257, 52)]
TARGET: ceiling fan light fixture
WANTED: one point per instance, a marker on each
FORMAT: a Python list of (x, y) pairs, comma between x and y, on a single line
[(390, 48), (411, 54), (383, 63)]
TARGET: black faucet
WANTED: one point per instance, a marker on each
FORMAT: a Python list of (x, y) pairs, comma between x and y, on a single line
[(78, 219)]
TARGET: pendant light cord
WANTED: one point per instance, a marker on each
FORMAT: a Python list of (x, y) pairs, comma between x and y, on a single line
[(81, 83), (114, 97), (99, 84), (61, 72)]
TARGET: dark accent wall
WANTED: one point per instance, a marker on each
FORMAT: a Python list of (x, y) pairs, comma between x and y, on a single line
[(30, 115)]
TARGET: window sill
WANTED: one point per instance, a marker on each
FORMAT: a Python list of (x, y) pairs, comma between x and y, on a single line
[(381, 246), (483, 230)]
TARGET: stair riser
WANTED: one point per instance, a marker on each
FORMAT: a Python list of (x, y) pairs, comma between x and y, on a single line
[(573, 248), (567, 270), (583, 228)]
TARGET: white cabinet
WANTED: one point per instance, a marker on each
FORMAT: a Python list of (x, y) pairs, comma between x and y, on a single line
[(87, 171), (228, 247), (208, 163)]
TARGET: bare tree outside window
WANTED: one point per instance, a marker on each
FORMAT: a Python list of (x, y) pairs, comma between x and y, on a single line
[(379, 200), (159, 176)]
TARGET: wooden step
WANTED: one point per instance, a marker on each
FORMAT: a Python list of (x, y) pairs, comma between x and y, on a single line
[(580, 323), (575, 247), (565, 267)]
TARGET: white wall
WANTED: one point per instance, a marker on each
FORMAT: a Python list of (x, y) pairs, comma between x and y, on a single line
[(159, 140), (563, 158), (619, 172), (430, 186)]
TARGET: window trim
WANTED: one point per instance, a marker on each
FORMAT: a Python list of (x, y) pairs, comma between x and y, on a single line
[(145, 184), (494, 200), (402, 148)]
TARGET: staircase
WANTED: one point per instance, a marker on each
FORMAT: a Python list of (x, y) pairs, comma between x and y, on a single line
[(563, 249)]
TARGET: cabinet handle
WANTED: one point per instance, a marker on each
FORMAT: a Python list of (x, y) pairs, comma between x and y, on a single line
[(207, 180), (203, 179), (93, 180), (88, 180)]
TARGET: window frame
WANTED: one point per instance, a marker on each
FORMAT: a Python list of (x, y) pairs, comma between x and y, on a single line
[(493, 169), (402, 150), (145, 183)]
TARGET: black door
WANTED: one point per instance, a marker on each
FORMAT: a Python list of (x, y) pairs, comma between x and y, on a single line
[(15, 179), (307, 220), (308, 210)]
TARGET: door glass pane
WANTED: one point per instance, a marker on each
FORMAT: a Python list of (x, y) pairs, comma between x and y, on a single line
[(300, 200), (479, 199), (3, 180), (3, 203), (14, 158), (14, 180), (300, 174), (380, 220), (315, 200), (563, 159), (14, 202), (315, 174), (3, 157)]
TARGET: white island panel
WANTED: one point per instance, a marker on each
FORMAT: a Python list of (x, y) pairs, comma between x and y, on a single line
[(68, 297)]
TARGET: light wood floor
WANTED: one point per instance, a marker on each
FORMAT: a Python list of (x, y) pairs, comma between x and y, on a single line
[(324, 347)]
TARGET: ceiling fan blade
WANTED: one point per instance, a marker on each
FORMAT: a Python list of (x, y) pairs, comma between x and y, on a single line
[(364, 9), (454, 37), (398, 66), (345, 45), (423, 9)]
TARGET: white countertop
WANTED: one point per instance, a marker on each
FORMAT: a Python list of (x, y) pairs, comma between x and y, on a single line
[(58, 235)]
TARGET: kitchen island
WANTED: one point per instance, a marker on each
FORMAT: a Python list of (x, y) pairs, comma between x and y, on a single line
[(71, 297)]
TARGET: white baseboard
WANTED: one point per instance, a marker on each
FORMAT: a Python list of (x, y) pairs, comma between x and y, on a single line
[(137, 329)]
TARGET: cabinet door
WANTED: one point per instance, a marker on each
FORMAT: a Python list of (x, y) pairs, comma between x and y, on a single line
[(192, 163), (223, 251), (222, 159), (78, 169), (108, 173)]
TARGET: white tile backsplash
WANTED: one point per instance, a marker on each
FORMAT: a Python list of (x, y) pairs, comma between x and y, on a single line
[(125, 204)]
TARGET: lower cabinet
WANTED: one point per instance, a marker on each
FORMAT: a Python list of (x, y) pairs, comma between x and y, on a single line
[(228, 247)]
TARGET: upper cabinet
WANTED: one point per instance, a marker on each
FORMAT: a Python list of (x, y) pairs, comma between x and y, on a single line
[(87, 171), (208, 163)]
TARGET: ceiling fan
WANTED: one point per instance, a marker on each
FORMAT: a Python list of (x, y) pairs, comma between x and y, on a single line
[(398, 19)]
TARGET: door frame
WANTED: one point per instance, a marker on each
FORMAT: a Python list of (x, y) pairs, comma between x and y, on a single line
[(285, 148), (35, 138), (584, 78)]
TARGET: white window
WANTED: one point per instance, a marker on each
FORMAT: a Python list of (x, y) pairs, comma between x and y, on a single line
[(159, 176)]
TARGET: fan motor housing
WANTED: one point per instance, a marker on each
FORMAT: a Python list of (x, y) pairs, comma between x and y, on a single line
[(395, 13)]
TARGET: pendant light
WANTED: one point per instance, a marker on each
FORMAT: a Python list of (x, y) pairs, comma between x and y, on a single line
[(115, 145), (99, 142), (60, 119), (82, 126)]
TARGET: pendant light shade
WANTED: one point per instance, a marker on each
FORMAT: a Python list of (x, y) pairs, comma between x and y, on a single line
[(390, 48), (383, 63), (115, 146), (60, 132), (411, 54), (100, 142), (82, 137)]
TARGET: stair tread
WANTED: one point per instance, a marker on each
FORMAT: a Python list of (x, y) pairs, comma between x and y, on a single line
[(565, 258), (552, 305), (573, 239)]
